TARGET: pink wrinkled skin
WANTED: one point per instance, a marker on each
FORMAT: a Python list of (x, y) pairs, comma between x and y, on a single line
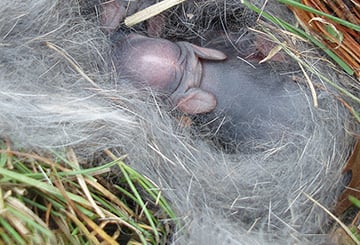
[(174, 68)]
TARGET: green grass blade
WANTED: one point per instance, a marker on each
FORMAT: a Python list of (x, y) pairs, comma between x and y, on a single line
[(12, 232), (299, 5), (283, 24)]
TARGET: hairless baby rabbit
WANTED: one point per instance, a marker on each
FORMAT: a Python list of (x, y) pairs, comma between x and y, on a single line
[(241, 101)]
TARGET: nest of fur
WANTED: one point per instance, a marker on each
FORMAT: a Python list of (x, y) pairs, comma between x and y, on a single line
[(59, 89)]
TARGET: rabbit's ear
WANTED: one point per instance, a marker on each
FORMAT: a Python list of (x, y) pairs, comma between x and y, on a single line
[(111, 15), (208, 53), (196, 101)]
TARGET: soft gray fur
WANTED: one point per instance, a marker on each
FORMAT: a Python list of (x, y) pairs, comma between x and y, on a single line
[(58, 88)]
